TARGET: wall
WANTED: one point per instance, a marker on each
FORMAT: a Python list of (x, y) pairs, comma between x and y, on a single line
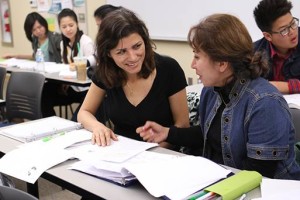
[(20, 8)]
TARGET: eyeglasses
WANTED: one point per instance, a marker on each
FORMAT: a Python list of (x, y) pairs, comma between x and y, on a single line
[(294, 25)]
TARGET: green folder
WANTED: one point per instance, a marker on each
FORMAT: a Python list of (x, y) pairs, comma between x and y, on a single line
[(236, 185)]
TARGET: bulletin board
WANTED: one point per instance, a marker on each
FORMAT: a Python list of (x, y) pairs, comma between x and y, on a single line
[(172, 19), (50, 9)]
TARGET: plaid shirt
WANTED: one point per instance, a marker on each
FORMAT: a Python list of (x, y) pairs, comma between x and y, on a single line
[(278, 62)]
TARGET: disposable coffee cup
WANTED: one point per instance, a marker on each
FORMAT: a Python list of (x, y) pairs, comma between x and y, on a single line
[(80, 64)]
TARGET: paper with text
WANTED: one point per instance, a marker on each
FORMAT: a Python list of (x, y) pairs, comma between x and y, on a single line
[(30, 160)]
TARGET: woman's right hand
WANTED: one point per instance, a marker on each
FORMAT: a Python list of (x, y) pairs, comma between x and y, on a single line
[(102, 136), (7, 56)]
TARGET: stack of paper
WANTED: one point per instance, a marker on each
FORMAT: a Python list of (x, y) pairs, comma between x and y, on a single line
[(115, 171), (162, 175), (107, 162), (293, 100)]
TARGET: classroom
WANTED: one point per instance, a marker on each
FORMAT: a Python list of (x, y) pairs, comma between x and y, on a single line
[(168, 28)]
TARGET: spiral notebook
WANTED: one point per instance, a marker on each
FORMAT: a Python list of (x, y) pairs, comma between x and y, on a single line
[(37, 129)]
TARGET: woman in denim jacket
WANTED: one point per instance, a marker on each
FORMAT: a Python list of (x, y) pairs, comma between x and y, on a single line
[(245, 122)]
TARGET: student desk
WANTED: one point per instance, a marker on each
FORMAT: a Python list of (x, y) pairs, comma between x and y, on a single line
[(55, 77), (84, 184)]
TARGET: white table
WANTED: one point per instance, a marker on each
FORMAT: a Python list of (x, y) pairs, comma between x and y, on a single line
[(84, 184)]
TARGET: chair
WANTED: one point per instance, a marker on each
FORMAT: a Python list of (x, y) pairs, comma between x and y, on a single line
[(23, 95), (8, 193), (296, 120), (23, 100), (2, 80)]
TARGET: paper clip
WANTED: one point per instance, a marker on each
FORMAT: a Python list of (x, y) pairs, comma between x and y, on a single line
[(30, 171)]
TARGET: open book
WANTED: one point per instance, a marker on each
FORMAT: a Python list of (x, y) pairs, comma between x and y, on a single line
[(37, 129), (293, 100)]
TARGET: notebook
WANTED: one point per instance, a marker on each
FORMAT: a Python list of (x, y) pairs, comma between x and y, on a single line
[(37, 129)]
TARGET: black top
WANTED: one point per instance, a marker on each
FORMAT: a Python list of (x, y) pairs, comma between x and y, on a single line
[(126, 117)]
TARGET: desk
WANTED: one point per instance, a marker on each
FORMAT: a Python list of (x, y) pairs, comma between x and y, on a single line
[(83, 184), (55, 77)]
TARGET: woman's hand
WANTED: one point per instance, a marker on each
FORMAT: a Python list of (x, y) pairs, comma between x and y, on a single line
[(102, 136), (72, 67), (153, 132), (7, 56)]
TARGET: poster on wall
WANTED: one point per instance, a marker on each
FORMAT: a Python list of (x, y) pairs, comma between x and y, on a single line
[(56, 6), (6, 31)]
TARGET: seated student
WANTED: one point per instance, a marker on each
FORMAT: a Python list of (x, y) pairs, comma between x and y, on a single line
[(280, 43), (74, 42), (37, 32), (245, 122), (102, 11), (139, 84)]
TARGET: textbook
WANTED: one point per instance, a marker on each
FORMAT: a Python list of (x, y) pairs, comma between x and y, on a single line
[(293, 100), (37, 129)]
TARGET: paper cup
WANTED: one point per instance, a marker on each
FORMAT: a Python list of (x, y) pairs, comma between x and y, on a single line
[(80, 64)]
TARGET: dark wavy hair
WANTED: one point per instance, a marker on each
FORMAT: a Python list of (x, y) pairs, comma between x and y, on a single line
[(103, 10), (115, 26), (31, 18), (268, 11), (69, 13), (224, 37)]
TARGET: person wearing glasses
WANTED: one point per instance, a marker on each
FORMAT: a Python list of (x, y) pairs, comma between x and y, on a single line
[(280, 43)]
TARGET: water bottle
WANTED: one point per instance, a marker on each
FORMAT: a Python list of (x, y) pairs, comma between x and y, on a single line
[(39, 58)]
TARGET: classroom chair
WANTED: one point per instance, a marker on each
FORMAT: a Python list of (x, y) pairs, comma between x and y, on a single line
[(23, 101), (9, 193), (296, 120), (2, 80), (23, 95)]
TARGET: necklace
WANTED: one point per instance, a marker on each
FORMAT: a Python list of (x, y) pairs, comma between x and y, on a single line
[(130, 89)]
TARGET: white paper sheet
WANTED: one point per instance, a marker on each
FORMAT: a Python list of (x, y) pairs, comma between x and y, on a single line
[(275, 189), (179, 177), (118, 151), (30, 160)]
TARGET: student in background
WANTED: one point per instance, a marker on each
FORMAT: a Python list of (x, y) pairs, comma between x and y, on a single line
[(74, 43), (245, 122), (280, 43), (102, 11), (139, 84), (37, 32)]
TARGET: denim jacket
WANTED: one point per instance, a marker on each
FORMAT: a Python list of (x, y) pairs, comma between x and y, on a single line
[(256, 123)]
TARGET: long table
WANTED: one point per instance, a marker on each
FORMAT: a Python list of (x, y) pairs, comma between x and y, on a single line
[(86, 185), (54, 76)]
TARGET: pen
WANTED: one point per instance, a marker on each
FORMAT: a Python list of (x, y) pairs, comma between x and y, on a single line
[(208, 195), (242, 197), (46, 139), (197, 195)]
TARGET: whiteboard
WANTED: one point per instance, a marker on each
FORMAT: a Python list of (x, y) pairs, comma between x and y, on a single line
[(172, 19)]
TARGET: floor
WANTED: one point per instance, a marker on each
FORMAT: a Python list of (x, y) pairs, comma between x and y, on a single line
[(48, 190)]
